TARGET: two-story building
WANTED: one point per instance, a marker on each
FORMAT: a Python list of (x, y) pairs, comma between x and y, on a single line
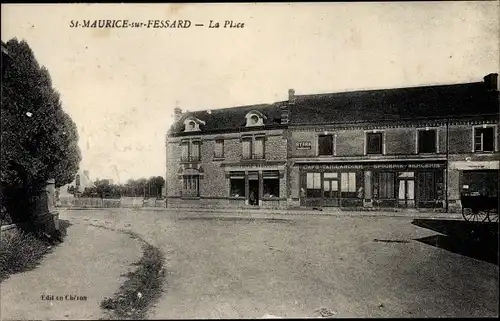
[(416, 147), (228, 157), (407, 147)]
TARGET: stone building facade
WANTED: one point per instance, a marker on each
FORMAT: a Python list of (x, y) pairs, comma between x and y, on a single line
[(418, 147), (227, 157)]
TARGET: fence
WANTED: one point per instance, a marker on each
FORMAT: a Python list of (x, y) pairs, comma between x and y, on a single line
[(88, 202)]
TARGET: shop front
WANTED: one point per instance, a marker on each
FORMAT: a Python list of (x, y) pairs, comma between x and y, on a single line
[(263, 187), (401, 185)]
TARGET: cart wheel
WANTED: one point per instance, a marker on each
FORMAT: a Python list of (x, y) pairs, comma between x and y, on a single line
[(474, 216), (493, 217)]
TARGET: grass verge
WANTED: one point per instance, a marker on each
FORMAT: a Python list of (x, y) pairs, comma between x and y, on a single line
[(21, 251), (142, 287)]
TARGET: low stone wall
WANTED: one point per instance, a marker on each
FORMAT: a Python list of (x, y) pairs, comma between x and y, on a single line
[(88, 202)]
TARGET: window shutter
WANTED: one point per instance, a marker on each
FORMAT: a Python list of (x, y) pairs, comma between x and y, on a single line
[(184, 151), (259, 148), (195, 152), (246, 148)]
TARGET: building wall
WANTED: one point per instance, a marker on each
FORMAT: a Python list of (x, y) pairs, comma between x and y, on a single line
[(213, 184)]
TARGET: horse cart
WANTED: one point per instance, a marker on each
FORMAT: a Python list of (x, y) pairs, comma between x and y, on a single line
[(479, 208)]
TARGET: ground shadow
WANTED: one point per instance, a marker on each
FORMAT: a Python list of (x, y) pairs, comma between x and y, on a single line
[(475, 240)]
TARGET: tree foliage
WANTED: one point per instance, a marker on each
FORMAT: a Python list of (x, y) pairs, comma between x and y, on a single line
[(133, 188), (39, 140)]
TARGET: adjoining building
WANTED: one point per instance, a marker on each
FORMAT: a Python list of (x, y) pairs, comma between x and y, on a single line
[(228, 157), (417, 147)]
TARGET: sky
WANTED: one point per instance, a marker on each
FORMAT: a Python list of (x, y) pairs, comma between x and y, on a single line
[(120, 85)]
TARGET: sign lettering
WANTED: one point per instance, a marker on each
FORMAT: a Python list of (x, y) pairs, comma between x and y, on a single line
[(303, 145), (369, 166)]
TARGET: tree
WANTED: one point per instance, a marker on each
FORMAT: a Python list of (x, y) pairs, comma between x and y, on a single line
[(38, 140)]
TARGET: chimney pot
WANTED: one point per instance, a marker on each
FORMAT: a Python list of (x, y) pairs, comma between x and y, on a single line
[(177, 113), (291, 96), (491, 81)]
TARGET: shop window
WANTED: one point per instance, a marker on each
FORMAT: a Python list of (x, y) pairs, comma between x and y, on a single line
[(253, 148), (191, 186), (237, 185), (374, 143), (484, 139), (386, 186), (348, 188), (480, 182), (427, 141), (313, 185), (190, 151), (219, 148), (271, 184), (325, 145)]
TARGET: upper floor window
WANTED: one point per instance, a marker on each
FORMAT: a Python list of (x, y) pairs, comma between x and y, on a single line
[(190, 151), (427, 141), (253, 147), (219, 148), (374, 143), (484, 139), (325, 144)]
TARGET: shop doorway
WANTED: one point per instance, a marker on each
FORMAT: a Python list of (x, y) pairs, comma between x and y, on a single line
[(253, 192), (406, 189)]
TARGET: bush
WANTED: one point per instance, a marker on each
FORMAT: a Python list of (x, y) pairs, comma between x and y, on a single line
[(22, 251)]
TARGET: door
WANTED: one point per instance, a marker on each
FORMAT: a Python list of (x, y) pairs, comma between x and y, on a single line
[(426, 189), (253, 192), (406, 189), (331, 192)]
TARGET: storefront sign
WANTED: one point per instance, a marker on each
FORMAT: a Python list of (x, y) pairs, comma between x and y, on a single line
[(468, 165), (303, 145), (369, 166)]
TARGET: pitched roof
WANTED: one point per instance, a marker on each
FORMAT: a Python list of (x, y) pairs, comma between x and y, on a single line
[(232, 118), (411, 103), (436, 101)]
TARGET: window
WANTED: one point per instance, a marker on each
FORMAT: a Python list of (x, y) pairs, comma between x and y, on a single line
[(484, 139), (348, 185), (219, 148), (190, 151), (237, 185), (374, 143), (386, 185), (313, 185), (254, 120), (253, 147), (325, 144), (427, 141), (191, 186), (271, 184)]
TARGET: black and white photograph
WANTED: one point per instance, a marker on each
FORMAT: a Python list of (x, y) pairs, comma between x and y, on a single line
[(259, 160)]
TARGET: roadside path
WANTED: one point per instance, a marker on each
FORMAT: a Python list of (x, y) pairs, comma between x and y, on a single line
[(82, 270)]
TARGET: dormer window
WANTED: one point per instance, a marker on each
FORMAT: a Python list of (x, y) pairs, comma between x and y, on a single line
[(192, 124), (255, 118)]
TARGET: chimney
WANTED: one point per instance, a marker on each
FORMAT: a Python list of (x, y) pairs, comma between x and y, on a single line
[(291, 96), (177, 113), (491, 82)]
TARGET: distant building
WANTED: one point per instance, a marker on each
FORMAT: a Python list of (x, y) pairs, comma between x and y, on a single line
[(417, 147), (82, 181)]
